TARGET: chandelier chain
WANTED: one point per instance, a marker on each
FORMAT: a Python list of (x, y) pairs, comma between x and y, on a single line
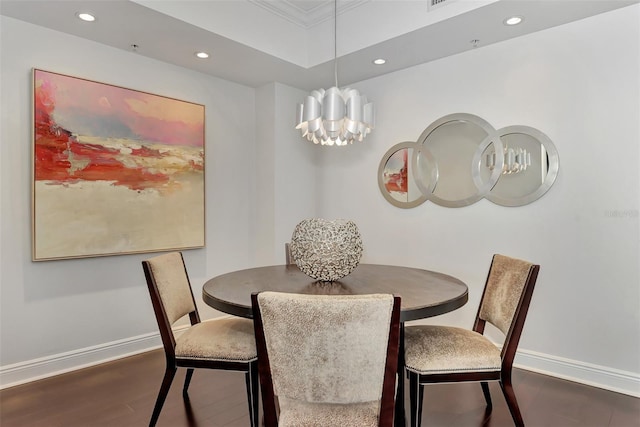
[(335, 40)]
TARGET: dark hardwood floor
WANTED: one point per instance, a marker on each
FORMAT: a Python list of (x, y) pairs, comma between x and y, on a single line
[(122, 393)]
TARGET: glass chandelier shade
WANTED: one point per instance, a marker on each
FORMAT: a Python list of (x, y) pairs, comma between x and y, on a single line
[(335, 116)]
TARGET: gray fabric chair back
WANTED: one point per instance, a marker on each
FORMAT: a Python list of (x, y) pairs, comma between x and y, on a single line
[(326, 349), (503, 291), (171, 279)]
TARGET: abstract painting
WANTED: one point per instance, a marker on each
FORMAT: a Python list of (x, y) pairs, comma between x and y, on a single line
[(115, 170)]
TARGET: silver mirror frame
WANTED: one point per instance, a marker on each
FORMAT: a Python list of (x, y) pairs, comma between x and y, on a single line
[(483, 187), (553, 162), (426, 185), (383, 163)]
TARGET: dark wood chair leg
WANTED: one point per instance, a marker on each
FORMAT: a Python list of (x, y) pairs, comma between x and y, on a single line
[(510, 397), (251, 378), (187, 381), (169, 373), (416, 393), (487, 395), (399, 418), (420, 402)]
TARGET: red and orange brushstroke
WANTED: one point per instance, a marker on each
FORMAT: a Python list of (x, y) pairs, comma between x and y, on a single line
[(55, 146)]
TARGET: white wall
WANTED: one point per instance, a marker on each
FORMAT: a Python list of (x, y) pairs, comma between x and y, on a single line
[(578, 83), (264, 183), (286, 171), (57, 307), (297, 170)]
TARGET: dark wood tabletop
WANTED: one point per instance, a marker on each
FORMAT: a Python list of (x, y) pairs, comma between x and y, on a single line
[(424, 293)]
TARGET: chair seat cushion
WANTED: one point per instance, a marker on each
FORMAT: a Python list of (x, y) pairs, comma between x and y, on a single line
[(294, 413), (443, 349), (227, 339)]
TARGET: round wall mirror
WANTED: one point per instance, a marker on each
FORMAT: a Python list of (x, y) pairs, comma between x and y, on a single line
[(530, 166), (452, 143)]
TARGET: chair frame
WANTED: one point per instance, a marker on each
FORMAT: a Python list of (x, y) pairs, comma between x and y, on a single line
[(387, 402), (173, 363), (288, 259), (507, 355)]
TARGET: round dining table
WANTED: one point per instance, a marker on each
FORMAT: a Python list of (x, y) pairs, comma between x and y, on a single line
[(423, 294)]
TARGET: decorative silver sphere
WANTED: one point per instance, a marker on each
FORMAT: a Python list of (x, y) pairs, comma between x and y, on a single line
[(326, 250)]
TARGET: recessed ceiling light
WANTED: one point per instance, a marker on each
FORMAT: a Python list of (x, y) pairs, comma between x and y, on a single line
[(513, 20), (202, 55), (379, 61), (86, 16)]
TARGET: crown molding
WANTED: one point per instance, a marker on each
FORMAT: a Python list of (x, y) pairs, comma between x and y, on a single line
[(304, 13)]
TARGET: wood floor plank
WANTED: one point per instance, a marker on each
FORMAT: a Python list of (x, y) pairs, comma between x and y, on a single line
[(122, 394)]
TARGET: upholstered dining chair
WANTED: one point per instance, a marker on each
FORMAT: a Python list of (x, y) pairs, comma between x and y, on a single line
[(328, 360), (438, 354), (226, 343)]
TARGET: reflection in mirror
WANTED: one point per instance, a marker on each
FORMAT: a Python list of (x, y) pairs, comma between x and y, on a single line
[(453, 142), (425, 170), (530, 166), (397, 177)]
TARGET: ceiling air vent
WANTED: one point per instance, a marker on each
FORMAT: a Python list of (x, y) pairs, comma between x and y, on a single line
[(435, 4)]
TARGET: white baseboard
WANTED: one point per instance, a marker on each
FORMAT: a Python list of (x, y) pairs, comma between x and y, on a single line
[(23, 372), (572, 370), (32, 370), (581, 372)]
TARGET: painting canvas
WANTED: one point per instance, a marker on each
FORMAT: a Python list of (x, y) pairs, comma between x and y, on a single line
[(115, 170)]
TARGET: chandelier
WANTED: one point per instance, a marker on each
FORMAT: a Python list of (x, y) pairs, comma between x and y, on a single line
[(515, 160), (335, 116)]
